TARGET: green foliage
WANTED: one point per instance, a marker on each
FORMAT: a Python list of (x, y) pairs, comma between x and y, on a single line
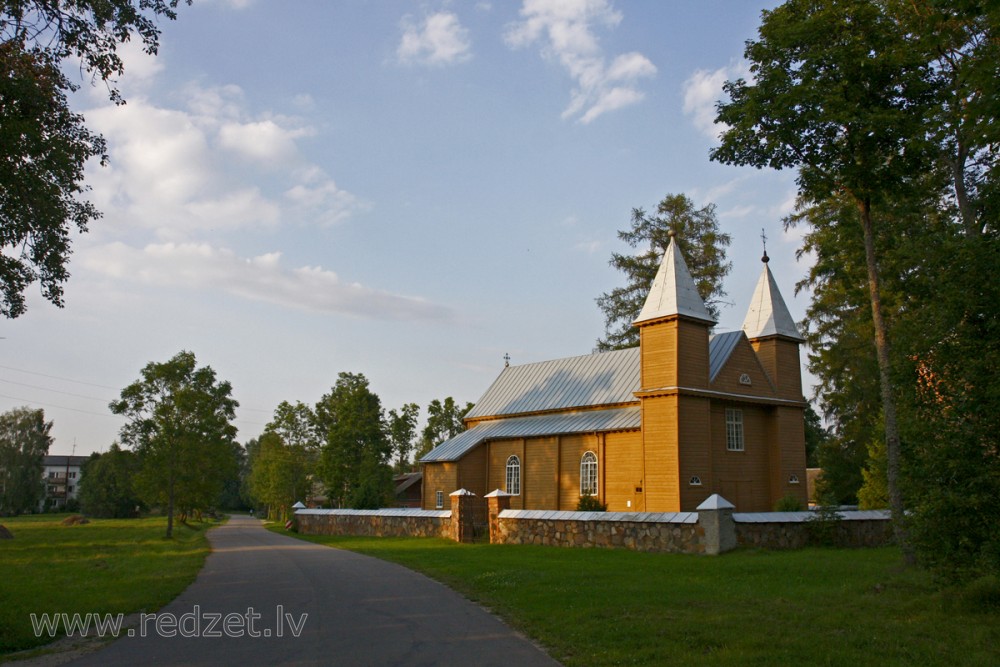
[(354, 461), (589, 503), (702, 245), (874, 493), (953, 411), (24, 442), (890, 109), (788, 503), (280, 475), (816, 436), (180, 424), (402, 431), (43, 145), (106, 484)]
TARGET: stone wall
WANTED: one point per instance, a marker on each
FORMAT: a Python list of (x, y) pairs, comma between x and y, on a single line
[(376, 523), (711, 530), (658, 532), (795, 530)]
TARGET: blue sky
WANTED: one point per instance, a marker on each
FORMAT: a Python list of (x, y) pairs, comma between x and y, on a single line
[(408, 190)]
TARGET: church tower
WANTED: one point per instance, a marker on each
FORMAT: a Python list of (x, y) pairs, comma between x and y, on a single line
[(773, 334), (674, 329)]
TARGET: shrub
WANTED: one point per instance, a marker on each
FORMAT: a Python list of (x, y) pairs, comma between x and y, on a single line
[(589, 503), (789, 503)]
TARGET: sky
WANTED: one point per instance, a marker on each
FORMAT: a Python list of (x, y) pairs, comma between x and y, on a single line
[(407, 190)]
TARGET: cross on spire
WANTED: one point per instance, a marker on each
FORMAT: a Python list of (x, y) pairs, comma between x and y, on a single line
[(506, 360), (763, 240)]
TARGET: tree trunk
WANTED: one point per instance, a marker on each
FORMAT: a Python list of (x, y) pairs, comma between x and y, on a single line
[(170, 506), (892, 445)]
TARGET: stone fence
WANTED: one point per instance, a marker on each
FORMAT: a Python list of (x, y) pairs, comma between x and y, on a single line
[(376, 523), (794, 530), (712, 529)]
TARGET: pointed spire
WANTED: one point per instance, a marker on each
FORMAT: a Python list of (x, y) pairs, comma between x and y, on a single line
[(673, 291), (768, 315)]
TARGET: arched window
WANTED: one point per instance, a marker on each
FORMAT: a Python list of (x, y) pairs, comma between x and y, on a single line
[(588, 474), (514, 476)]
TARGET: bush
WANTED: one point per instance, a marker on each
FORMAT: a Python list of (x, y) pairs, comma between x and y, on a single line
[(589, 503), (789, 503), (822, 526)]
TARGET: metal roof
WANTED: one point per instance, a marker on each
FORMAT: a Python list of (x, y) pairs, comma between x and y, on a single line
[(606, 378), (593, 380), (590, 421), (673, 291), (768, 315), (720, 348)]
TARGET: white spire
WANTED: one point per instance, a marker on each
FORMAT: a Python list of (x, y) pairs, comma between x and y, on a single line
[(768, 314), (673, 291)]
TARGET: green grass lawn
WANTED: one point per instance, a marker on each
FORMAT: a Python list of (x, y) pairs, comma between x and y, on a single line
[(617, 607), (105, 566)]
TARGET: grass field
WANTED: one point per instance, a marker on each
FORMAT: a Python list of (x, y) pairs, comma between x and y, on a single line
[(105, 566), (617, 607)]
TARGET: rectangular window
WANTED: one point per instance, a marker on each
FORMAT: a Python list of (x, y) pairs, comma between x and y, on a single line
[(439, 499), (734, 430)]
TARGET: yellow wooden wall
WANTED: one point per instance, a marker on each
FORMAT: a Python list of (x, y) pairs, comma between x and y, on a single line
[(621, 471), (695, 444), (742, 478), (439, 477), (780, 358), (660, 454)]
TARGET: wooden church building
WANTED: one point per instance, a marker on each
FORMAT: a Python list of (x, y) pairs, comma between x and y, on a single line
[(658, 428)]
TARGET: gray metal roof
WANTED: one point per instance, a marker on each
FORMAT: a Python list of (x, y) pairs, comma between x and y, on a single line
[(720, 348), (673, 291), (590, 421), (606, 378), (768, 315)]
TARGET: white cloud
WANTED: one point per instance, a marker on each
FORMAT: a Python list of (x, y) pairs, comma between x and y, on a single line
[(171, 170), (439, 40), (567, 29), (701, 92), (202, 266), (263, 141)]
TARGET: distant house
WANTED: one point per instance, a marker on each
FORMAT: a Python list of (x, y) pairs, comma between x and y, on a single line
[(657, 428), (61, 475), (409, 489)]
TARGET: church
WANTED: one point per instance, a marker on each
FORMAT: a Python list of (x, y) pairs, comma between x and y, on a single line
[(657, 428)]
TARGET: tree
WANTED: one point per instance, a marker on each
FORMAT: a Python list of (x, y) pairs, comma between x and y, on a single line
[(24, 442), (702, 245), (43, 145), (355, 456), (107, 486), (839, 93), (402, 430), (816, 436), (180, 424), (280, 474), (444, 420)]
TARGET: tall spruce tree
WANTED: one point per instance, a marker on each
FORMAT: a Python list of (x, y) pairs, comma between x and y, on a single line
[(702, 245)]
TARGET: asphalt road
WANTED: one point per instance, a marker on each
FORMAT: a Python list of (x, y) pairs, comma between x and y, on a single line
[(268, 599)]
